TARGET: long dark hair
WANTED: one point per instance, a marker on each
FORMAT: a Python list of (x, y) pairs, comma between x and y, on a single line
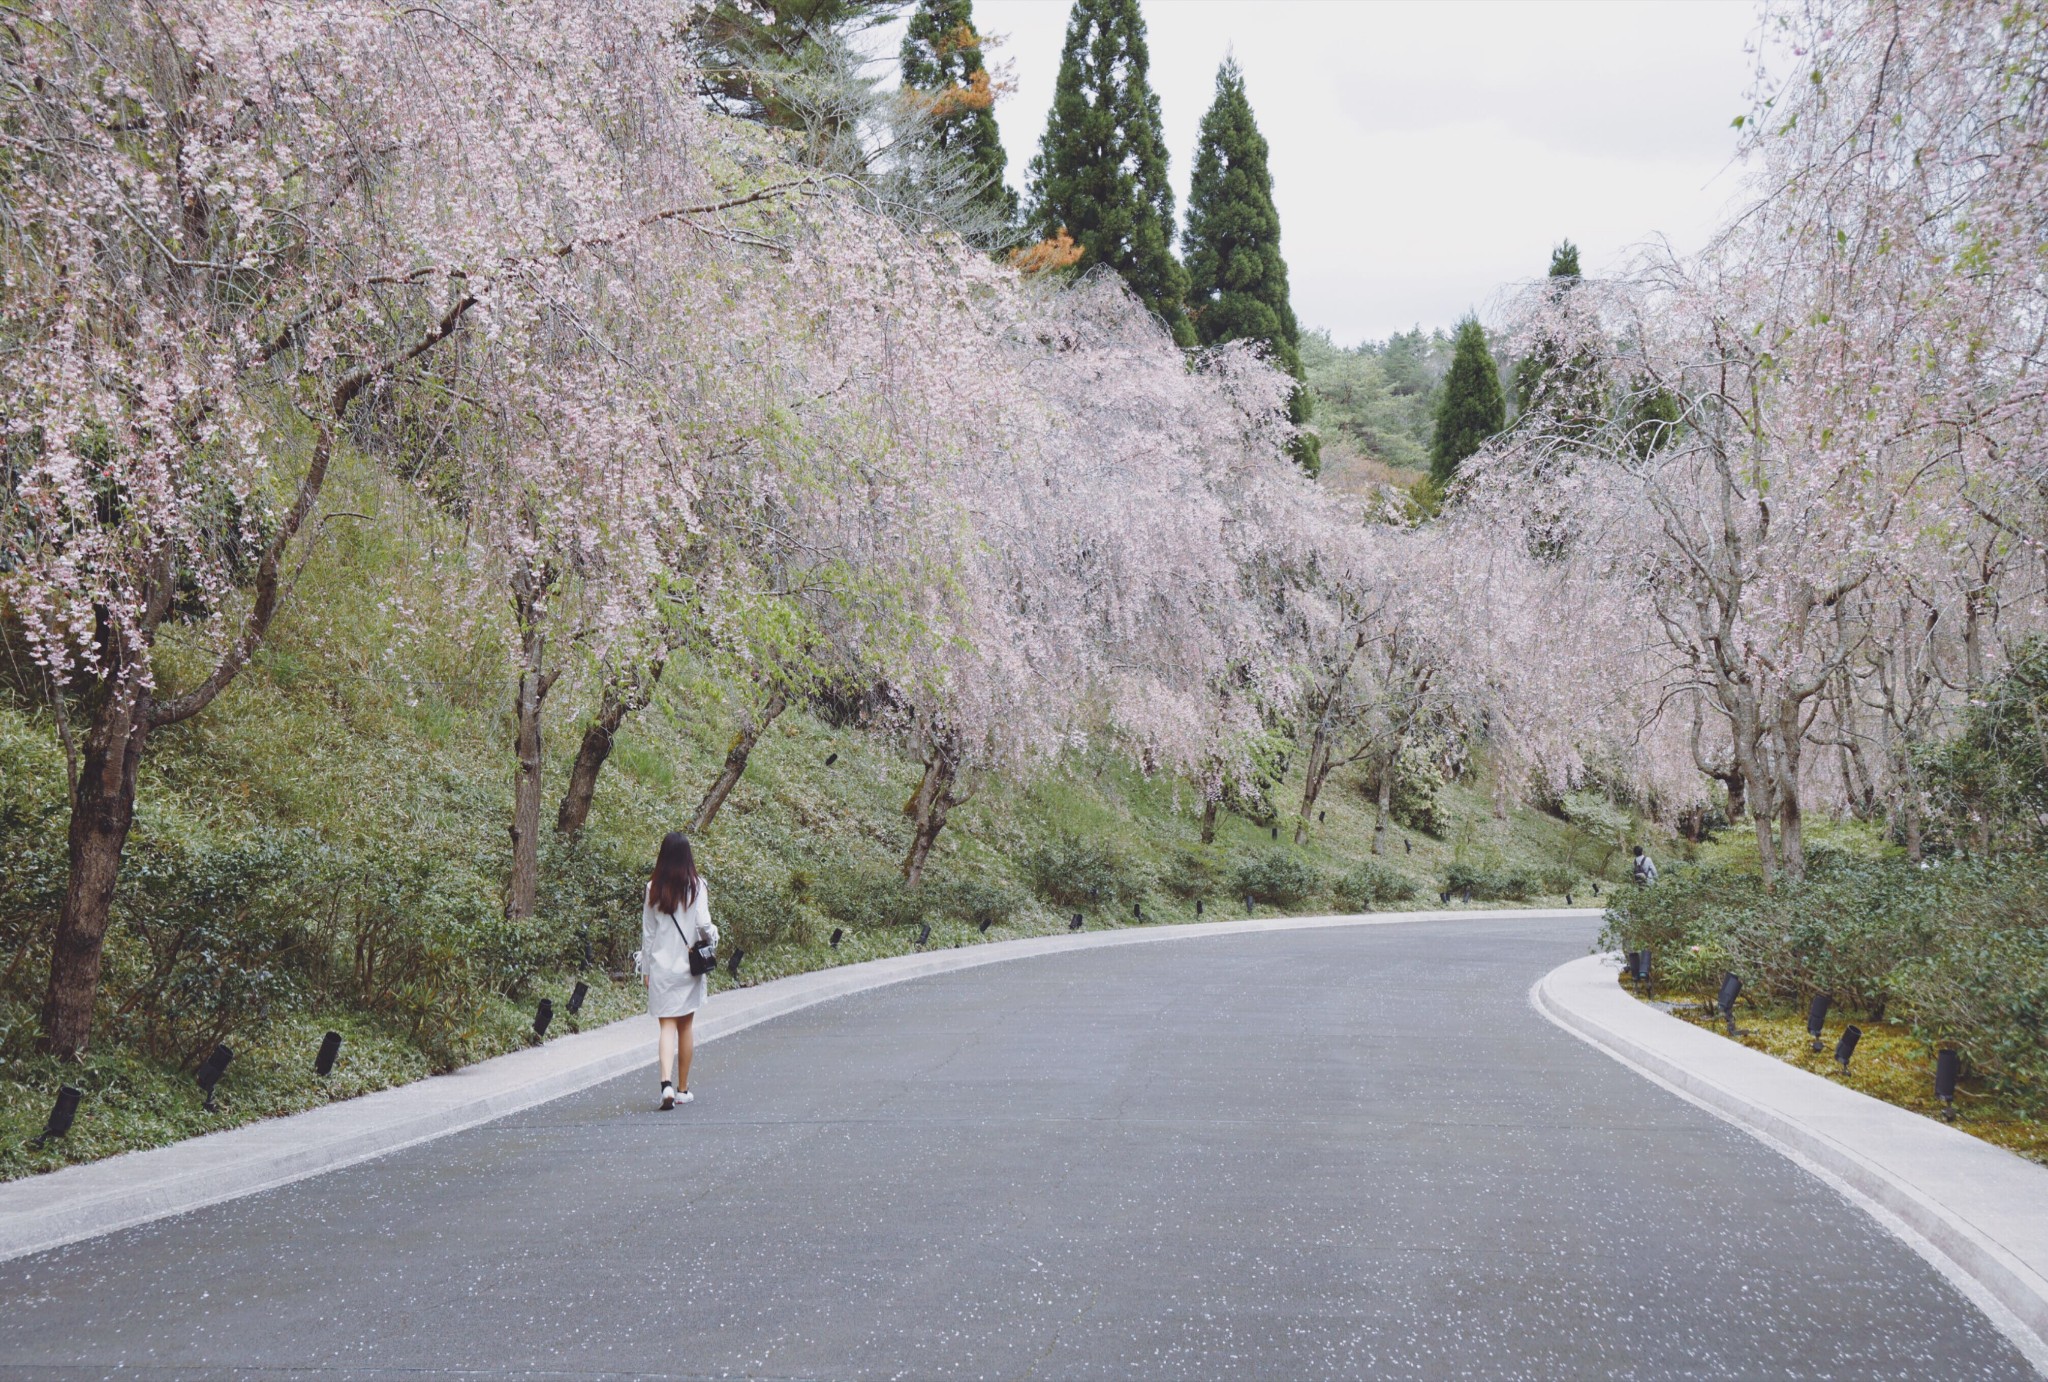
[(675, 882)]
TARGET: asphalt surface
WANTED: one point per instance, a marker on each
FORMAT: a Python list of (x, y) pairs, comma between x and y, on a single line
[(1341, 1153)]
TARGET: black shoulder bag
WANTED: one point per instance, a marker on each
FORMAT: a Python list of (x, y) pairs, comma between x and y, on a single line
[(703, 955)]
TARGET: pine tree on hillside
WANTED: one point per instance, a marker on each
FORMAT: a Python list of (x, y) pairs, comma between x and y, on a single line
[(1100, 172), (944, 71), (1471, 408), (1560, 393), (1237, 280)]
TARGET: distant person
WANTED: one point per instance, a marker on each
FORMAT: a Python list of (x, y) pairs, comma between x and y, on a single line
[(1645, 869), (675, 923)]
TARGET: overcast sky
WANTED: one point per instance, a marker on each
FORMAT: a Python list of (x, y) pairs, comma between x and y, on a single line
[(1427, 155)]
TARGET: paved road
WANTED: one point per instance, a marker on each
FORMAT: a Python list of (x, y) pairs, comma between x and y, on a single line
[(1351, 1153)]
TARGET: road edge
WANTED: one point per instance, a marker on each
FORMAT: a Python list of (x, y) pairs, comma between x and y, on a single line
[(76, 1203), (1977, 1212)]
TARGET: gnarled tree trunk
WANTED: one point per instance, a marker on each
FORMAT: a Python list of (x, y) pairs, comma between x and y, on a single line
[(928, 808), (1209, 821), (101, 814), (619, 701), (743, 741)]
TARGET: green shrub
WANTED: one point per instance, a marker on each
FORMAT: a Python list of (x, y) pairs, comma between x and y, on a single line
[(1069, 871), (1418, 778), (1277, 877), (1373, 884), (1193, 873), (1489, 885), (866, 898), (976, 901), (752, 913), (1986, 992), (1557, 880)]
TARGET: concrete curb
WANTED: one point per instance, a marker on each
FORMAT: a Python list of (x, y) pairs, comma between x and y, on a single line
[(85, 1201), (1978, 1212)]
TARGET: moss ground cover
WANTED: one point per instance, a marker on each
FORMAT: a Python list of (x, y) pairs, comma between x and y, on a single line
[(1891, 1063)]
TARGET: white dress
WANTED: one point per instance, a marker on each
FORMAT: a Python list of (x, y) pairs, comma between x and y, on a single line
[(665, 940)]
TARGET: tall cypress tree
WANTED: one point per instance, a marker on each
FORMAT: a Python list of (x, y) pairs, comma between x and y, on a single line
[(1471, 407), (1237, 281), (1565, 391), (1100, 173), (943, 67)]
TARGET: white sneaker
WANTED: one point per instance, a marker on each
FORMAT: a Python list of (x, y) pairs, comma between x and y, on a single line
[(668, 1095), (685, 1097)]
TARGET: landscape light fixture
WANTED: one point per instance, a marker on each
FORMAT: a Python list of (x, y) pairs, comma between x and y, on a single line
[(925, 933), (1137, 911), (1247, 904), (1644, 983), (542, 1016), (330, 1047), (1276, 832), (576, 997), (1444, 898), (838, 933), (208, 1074), (1731, 989), (1817, 1018), (1407, 846), (1947, 1067), (1632, 964), (987, 922), (1322, 816), (60, 1116), (1596, 888), (1198, 906), (732, 966), (1846, 1047), (1075, 924), (1567, 899), (830, 759)]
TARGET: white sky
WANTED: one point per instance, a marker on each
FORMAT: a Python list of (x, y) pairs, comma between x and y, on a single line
[(1427, 155)]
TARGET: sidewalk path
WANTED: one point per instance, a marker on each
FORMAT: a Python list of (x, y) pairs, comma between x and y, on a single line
[(1343, 1152)]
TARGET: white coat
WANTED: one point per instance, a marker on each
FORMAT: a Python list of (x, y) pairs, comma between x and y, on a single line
[(665, 941)]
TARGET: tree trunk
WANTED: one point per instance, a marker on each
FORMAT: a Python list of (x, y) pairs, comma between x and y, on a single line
[(618, 702), (1791, 845), (100, 820), (1738, 796), (526, 784), (751, 727), (1209, 821), (590, 756), (927, 810), (1312, 784), (1384, 808)]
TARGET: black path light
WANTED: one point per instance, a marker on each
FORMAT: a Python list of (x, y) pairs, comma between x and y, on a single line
[(830, 759), (1817, 1019), (1198, 907), (732, 966), (1644, 982), (1731, 989), (838, 934), (1948, 1066), (330, 1047), (1137, 911), (1444, 898), (1632, 962), (1276, 832), (542, 1016), (209, 1073), (1596, 887), (1568, 900), (1075, 924), (924, 934), (1322, 816), (1247, 904), (987, 922), (1846, 1047), (576, 997), (60, 1116)]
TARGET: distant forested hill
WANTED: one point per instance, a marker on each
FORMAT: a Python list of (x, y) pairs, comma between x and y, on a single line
[(1375, 402)]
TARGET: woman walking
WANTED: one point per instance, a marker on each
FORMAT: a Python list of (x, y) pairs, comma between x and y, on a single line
[(675, 919)]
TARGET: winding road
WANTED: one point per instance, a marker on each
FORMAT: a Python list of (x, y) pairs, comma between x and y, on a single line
[(1330, 1153)]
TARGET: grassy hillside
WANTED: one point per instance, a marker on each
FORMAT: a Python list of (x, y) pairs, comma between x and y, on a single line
[(326, 847)]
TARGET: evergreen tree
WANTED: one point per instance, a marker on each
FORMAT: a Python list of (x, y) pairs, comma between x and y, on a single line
[(1237, 281), (944, 72), (792, 65), (1567, 392), (1471, 407), (1100, 173)]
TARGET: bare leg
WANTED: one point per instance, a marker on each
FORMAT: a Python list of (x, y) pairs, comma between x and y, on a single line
[(686, 1026), (669, 1028)]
